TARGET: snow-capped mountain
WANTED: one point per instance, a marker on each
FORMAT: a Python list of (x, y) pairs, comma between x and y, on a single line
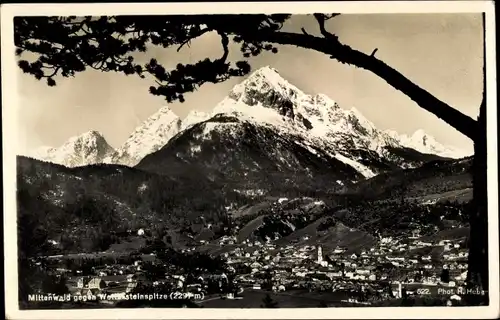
[(276, 136), (266, 97), (88, 148), (194, 117), (425, 143), (249, 158), (153, 134), (315, 121)]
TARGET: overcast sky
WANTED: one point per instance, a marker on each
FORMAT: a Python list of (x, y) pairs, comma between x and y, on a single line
[(440, 52)]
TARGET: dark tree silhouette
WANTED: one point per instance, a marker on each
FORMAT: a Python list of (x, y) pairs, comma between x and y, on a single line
[(322, 304), (445, 276), (268, 302), (477, 276), (68, 45)]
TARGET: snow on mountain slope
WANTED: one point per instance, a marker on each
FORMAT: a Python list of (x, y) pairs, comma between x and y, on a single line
[(88, 148), (153, 134), (260, 115), (250, 158), (280, 139), (194, 117), (425, 143), (266, 97), (41, 152)]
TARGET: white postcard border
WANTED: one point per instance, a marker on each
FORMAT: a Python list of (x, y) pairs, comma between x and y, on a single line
[(9, 120)]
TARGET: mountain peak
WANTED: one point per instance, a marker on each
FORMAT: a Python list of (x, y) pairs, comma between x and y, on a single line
[(90, 135), (87, 148), (425, 143), (263, 88), (262, 80), (266, 71), (88, 142), (164, 113), (150, 136), (266, 97), (268, 76)]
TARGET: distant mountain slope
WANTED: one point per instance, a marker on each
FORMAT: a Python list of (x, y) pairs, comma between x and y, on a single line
[(424, 143), (427, 199), (88, 148), (329, 235), (193, 118), (434, 177), (347, 181), (72, 202), (249, 158), (267, 100), (319, 116), (86, 207), (150, 136), (398, 202), (267, 136), (162, 194), (354, 226)]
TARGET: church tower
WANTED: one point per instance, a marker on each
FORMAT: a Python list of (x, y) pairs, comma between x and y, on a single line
[(320, 255)]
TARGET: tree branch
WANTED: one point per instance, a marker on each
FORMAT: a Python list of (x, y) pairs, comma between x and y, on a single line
[(56, 69), (328, 44), (332, 15), (321, 22), (345, 54), (199, 34), (183, 43), (225, 43)]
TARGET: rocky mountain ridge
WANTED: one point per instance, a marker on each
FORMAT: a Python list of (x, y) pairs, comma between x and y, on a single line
[(264, 99)]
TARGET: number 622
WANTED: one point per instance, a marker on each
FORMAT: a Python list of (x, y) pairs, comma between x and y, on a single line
[(423, 291)]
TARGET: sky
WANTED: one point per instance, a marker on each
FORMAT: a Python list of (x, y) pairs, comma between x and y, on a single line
[(441, 53)]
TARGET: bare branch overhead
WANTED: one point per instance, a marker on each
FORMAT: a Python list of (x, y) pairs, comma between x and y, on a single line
[(321, 18)]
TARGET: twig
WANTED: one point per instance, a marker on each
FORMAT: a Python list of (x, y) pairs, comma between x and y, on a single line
[(183, 43), (56, 69), (330, 16), (321, 21), (202, 32), (373, 53)]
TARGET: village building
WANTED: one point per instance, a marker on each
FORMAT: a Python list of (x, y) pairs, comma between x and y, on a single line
[(82, 282)]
